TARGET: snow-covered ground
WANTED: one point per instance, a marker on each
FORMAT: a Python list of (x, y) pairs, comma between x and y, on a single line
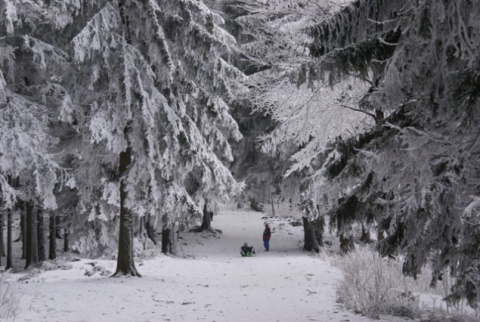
[(207, 281)]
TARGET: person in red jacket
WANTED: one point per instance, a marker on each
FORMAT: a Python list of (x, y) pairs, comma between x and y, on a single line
[(266, 237)]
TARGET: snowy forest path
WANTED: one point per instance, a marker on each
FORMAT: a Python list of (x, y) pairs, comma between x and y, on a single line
[(239, 227), (283, 284), (207, 281)]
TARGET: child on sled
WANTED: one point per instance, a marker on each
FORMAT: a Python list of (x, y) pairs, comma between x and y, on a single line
[(247, 251)]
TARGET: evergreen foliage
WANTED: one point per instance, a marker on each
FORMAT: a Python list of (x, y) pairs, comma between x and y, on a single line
[(300, 121), (124, 107), (415, 173), (90, 81)]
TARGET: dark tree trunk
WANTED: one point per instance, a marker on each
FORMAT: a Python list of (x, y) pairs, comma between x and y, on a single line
[(2, 239), (27, 236), (166, 241), (319, 229), (310, 236), (66, 235), (9, 240), (52, 249), (346, 244), (24, 230), (125, 260), (31, 251), (67, 217), (2, 246), (380, 235), (207, 219), (273, 205), (365, 235), (40, 236)]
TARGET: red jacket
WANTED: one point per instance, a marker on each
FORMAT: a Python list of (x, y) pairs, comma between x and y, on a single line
[(267, 234)]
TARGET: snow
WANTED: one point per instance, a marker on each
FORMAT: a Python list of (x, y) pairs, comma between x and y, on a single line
[(207, 281)]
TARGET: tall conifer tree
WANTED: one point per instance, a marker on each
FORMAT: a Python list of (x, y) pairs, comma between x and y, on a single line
[(157, 99)]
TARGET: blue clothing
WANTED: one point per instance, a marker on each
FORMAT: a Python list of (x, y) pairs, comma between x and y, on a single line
[(266, 244), (266, 237)]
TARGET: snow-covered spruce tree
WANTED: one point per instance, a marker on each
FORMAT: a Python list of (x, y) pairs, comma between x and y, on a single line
[(416, 172), (43, 31), (155, 91), (30, 74), (250, 165)]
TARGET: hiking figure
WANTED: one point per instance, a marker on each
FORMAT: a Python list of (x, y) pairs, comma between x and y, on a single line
[(266, 237), (247, 251)]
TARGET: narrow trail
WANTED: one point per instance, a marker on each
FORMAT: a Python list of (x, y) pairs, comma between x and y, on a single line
[(239, 227), (207, 281), (283, 284)]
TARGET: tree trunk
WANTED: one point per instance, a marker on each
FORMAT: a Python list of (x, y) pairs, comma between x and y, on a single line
[(31, 249), (65, 242), (24, 230), (125, 259), (310, 237), (27, 234), (9, 240), (319, 229), (67, 217), (380, 235), (66, 235), (166, 241), (207, 219), (346, 244), (365, 235), (40, 236), (2, 238), (52, 249), (2, 246), (273, 205)]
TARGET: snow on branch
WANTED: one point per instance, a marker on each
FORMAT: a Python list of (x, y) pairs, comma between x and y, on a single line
[(7, 63), (9, 195), (354, 24), (101, 32), (25, 144), (8, 14)]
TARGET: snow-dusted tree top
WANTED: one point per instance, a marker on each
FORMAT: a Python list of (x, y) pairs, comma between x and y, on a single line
[(169, 84)]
